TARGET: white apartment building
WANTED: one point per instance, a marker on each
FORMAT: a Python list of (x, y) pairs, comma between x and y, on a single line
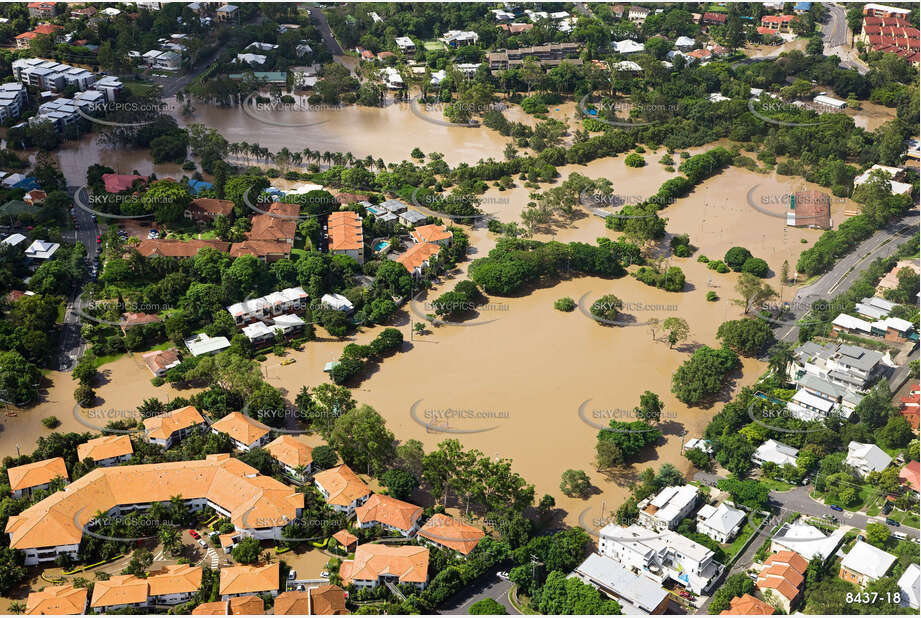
[(13, 97), (51, 75), (289, 300), (666, 509), (849, 366)]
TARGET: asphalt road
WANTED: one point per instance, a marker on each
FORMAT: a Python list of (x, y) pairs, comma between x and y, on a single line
[(834, 36), (488, 586), (317, 16), (881, 245)]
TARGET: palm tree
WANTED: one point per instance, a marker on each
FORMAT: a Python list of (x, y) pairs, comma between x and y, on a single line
[(781, 357), (16, 607), (171, 539)]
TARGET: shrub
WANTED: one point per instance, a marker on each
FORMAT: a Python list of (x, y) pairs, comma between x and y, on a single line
[(158, 381), (84, 395), (682, 251), (718, 266), (711, 296), (736, 257), (634, 160), (51, 422), (606, 307), (703, 259), (564, 304), (755, 266)]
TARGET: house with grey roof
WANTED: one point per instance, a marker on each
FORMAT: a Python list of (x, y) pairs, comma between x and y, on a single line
[(635, 593), (866, 458), (720, 523)]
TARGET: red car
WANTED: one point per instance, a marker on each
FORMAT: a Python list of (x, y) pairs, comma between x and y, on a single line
[(99, 240), (194, 534)]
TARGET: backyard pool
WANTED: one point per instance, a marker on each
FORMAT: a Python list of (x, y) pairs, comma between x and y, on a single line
[(380, 245)]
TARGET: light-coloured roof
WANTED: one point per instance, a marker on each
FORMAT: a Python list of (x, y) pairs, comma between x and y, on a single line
[(808, 399), (451, 533), (724, 518), (851, 323), (808, 541), (37, 473), (868, 560), (57, 601), (249, 578), (867, 456), (409, 563), (672, 500), (342, 485), (253, 500), (290, 451), (105, 447), (241, 428), (119, 590), (910, 586), (777, 452), (162, 426), (640, 591), (390, 511)]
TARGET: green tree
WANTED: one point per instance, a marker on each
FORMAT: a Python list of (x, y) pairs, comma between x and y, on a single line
[(399, 483), (362, 439), (247, 550), (677, 330), (12, 571), (487, 607), (746, 336), (650, 408), (735, 586), (575, 483)]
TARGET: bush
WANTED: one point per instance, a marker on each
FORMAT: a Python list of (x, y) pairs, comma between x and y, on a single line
[(682, 251), (606, 307), (564, 304), (84, 395), (735, 258), (634, 160), (712, 297), (703, 259), (718, 266), (755, 266), (702, 376), (51, 422), (158, 381)]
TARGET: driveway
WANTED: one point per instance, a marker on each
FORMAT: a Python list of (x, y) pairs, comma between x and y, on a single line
[(487, 586)]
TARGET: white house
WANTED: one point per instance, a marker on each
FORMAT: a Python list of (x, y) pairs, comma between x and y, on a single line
[(406, 44), (775, 452), (202, 344), (720, 523), (866, 458), (337, 302), (667, 508), (807, 541), (627, 46), (827, 101), (910, 586), (638, 595), (42, 249), (865, 563), (392, 78), (684, 43)]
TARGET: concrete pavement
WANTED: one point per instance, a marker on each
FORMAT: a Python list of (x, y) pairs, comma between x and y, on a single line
[(487, 586)]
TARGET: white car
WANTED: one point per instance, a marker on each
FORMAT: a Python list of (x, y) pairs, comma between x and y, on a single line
[(202, 543), (324, 574), (502, 575), (292, 574)]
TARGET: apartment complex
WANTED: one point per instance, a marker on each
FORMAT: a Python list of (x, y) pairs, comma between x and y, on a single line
[(447, 533), (54, 526), (549, 55), (390, 514), (665, 510), (289, 300), (36, 476), (345, 236), (342, 489), (170, 427), (376, 564), (169, 585)]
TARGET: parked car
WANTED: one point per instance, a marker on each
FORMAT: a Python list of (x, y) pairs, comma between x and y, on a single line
[(292, 574), (892, 522), (835, 507), (99, 240), (502, 575), (194, 535), (324, 574), (203, 544), (887, 508)]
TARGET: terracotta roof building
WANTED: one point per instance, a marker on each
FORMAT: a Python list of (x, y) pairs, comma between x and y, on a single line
[(119, 592), (266, 250), (810, 209), (783, 575), (243, 580), (172, 584), (278, 224), (418, 256), (443, 531), (292, 603), (747, 605), (36, 476), (910, 475), (408, 563), (206, 208), (342, 488), (389, 513), (346, 539), (57, 601), (292, 454), (345, 235), (54, 526), (327, 600), (245, 432), (432, 233), (237, 606), (162, 247), (116, 183), (170, 427), (106, 450), (132, 319), (161, 361)]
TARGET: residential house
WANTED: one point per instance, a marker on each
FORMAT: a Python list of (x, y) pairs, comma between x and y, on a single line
[(337, 302), (36, 476), (406, 45), (882, 10), (203, 345), (23, 40), (778, 23), (910, 476), (666, 509), (747, 605), (173, 584), (163, 247), (342, 489), (207, 209), (547, 55), (63, 600), (390, 514), (775, 452), (258, 333), (807, 541), (45, 10), (392, 78), (41, 250), (864, 564), (866, 458), (13, 98), (459, 38), (638, 14), (346, 540), (661, 556), (710, 19), (282, 302), (117, 183), (295, 457), (411, 218), (909, 586), (781, 579), (170, 427), (247, 605), (433, 233), (636, 594), (721, 523), (119, 592), (685, 43), (375, 564), (325, 600), (910, 407), (245, 432), (845, 401), (245, 579), (106, 450), (627, 46), (228, 12), (446, 532), (809, 209), (278, 224), (847, 365), (417, 257), (161, 361), (345, 235)]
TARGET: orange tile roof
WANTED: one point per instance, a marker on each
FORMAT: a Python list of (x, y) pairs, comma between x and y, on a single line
[(250, 578), (246, 606), (408, 562), (783, 572), (327, 600), (345, 538), (158, 360), (343, 485), (791, 558), (57, 601), (279, 224), (215, 608), (747, 605), (241, 428), (37, 473), (212, 206), (105, 447), (290, 451), (178, 248), (291, 603), (431, 233), (174, 579), (389, 511), (344, 231), (162, 426), (451, 533), (417, 255), (253, 500), (119, 590), (259, 248), (134, 318), (911, 474)]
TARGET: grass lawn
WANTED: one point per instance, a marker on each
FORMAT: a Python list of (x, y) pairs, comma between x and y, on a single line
[(776, 485), (102, 360), (905, 518), (138, 88), (62, 311), (743, 536)]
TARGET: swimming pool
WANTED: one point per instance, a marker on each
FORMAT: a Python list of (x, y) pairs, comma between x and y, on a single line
[(380, 245)]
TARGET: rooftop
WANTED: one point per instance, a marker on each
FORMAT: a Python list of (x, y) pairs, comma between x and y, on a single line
[(868, 560), (250, 578), (457, 535), (241, 427), (105, 447), (389, 511), (409, 563), (342, 484), (37, 473)]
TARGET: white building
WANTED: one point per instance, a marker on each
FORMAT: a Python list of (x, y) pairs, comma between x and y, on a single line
[(406, 45), (827, 101), (337, 302), (807, 541), (627, 46), (910, 586), (685, 43), (638, 595), (661, 556), (846, 365), (251, 59), (865, 563), (258, 333), (720, 523), (261, 46), (13, 97), (897, 188), (667, 508), (459, 38), (775, 452), (392, 78), (202, 344), (866, 458), (164, 60), (42, 249), (289, 300)]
